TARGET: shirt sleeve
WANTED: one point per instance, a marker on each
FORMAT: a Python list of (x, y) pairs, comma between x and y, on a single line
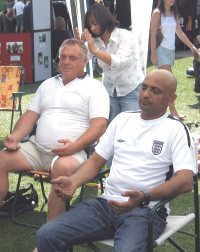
[(99, 104), (183, 151), (34, 105), (105, 147)]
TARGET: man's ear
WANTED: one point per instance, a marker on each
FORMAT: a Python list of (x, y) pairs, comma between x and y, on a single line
[(172, 97), (86, 61)]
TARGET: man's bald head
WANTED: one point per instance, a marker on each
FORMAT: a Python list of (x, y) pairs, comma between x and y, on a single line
[(165, 78), (157, 92)]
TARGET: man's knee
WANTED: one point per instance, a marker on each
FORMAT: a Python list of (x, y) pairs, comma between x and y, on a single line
[(43, 234), (48, 239), (64, 166), (13, 160), (4, 159)]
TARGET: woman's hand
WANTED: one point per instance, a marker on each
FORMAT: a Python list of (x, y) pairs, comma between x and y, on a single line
[(79, 36), (154, 58), (91, 45)]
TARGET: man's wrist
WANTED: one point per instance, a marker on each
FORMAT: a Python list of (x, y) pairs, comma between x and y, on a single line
[(146, 199)]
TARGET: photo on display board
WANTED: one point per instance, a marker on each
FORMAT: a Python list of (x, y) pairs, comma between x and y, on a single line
[(46, 61), (40, 58), (14, 47), (42, 38)]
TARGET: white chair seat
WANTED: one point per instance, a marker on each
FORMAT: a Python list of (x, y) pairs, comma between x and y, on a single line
[(109, 242), (174, 223)]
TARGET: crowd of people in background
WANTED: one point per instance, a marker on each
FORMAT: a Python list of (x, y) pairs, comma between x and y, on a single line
[(16, 17), (166, 16)]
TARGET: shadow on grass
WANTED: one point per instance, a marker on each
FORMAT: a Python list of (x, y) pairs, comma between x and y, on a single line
[(30, 88), (20, 238)]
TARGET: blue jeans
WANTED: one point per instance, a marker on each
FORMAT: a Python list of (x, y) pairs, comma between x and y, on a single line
[(94, 220), (120, 104)]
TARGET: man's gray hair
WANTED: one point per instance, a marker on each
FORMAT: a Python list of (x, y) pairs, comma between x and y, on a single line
[(73, 41)]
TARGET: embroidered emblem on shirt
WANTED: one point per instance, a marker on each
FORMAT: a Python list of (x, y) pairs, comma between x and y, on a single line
[(157, 147), (120, 141)]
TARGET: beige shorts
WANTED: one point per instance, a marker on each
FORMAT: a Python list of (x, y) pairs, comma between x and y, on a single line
[(42, 159)]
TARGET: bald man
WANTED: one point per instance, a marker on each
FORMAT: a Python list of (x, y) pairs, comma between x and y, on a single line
[(152, 159)]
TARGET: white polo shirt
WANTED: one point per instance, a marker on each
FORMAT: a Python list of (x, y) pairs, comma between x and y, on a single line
[(66, 110), (144, 151)]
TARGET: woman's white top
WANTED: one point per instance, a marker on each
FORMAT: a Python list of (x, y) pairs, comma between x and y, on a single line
[(168, 28), (125, 72)]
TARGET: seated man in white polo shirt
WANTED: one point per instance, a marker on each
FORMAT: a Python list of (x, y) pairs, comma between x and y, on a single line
[(144, 146), (71, 112)]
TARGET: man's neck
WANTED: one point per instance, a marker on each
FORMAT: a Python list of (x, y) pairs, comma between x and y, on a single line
[(66, 81)]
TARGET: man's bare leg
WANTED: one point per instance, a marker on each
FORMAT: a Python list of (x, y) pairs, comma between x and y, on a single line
[(10, 161), (63, 166)]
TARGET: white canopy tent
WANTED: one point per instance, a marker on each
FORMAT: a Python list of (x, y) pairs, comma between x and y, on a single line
[(140, 17)]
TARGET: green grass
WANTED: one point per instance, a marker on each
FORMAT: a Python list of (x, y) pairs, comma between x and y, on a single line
[(15, 238)]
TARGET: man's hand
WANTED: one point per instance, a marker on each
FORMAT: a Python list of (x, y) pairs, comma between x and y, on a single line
[(11, 143), (65, 150), (134, 199), (64, 187)]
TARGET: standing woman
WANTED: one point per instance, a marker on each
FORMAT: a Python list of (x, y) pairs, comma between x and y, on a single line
[(118, 55), (163, 56)]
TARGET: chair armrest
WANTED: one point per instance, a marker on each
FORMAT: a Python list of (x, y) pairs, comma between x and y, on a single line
[(19, 96), (90, 149), (154, 209), (102, 173), (18, 93)]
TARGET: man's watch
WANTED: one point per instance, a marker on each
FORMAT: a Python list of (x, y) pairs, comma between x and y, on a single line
[(146, 199)]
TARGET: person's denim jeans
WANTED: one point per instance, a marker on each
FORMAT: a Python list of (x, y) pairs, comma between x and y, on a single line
[(128, 102), (94, 220)]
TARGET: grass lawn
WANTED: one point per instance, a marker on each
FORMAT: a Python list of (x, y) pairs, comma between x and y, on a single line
[(15, 238)]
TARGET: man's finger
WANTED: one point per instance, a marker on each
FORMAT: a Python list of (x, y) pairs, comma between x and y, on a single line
[(56, 181), (129, 193)]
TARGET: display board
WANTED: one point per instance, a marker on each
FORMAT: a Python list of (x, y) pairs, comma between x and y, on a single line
[(16, 49), (41, 14), (42, 39), (42, 55)]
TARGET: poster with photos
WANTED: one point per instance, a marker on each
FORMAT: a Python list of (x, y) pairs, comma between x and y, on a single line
[(14, 47), (42, 55)]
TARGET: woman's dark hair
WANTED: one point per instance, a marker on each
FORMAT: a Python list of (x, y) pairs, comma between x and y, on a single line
[(173, 8), (103, 17)]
